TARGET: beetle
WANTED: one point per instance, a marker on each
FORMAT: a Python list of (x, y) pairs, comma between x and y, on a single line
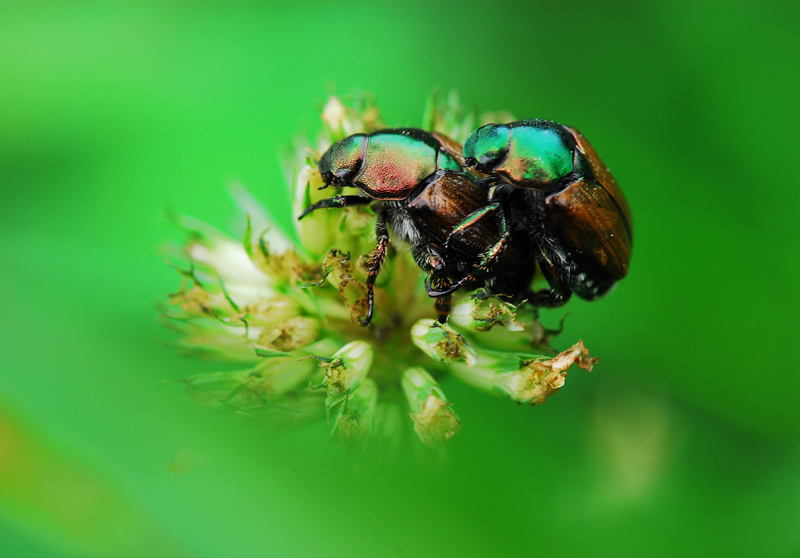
[(415, 182), (561, 193)]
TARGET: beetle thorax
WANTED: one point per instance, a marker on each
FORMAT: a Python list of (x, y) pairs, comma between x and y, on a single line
[(537, 158), (394, 165)]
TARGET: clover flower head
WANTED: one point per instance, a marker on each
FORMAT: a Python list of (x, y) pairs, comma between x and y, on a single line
[(285, 306)]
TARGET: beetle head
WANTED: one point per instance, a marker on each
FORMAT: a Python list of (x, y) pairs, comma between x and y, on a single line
[(487, 147), (341, 163)]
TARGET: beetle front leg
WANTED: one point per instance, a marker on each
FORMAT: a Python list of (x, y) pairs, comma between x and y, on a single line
[(336, 202), (374, 265)]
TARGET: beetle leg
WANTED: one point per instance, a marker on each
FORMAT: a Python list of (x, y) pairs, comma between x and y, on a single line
[(443, 295), (473, 218), (488, 181), (337, 202), (477, 271), (442, 303), (488, 257), (432, 263), (560, 292), (374, 265)]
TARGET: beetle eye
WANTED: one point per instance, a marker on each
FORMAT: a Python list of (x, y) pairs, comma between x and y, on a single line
[(344, 176), (487, 162)]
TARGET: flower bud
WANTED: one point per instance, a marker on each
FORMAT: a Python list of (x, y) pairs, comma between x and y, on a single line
[(483, 313), (250, 388), (212, 339), (345, 371), (334, 115), (288, 336), (524, 378), (352, 420), (441, 342), (273, 254), (434, 420)]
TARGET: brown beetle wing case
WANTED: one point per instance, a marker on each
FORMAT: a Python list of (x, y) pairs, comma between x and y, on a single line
[(592, 218), (445, 203), (606, 180), (591, 227)]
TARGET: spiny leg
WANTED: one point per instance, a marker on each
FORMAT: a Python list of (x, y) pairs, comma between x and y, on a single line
[(442, 303), (374, 265), (337, 202), (560, 292), (472, 219), (432, 263), (488, 257)]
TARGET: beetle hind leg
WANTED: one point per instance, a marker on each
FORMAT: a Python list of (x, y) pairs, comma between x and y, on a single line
[(560, 291)]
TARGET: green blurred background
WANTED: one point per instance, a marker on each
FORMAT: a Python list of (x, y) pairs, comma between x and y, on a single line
[(683, 441)]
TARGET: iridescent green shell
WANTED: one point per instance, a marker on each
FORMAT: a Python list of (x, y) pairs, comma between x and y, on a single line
[(586, 209), (345, 154), (531, 154), (389, 164), (488, 141)]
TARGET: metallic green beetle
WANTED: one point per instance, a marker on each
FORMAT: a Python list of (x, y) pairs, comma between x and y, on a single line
[(560, 193)]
